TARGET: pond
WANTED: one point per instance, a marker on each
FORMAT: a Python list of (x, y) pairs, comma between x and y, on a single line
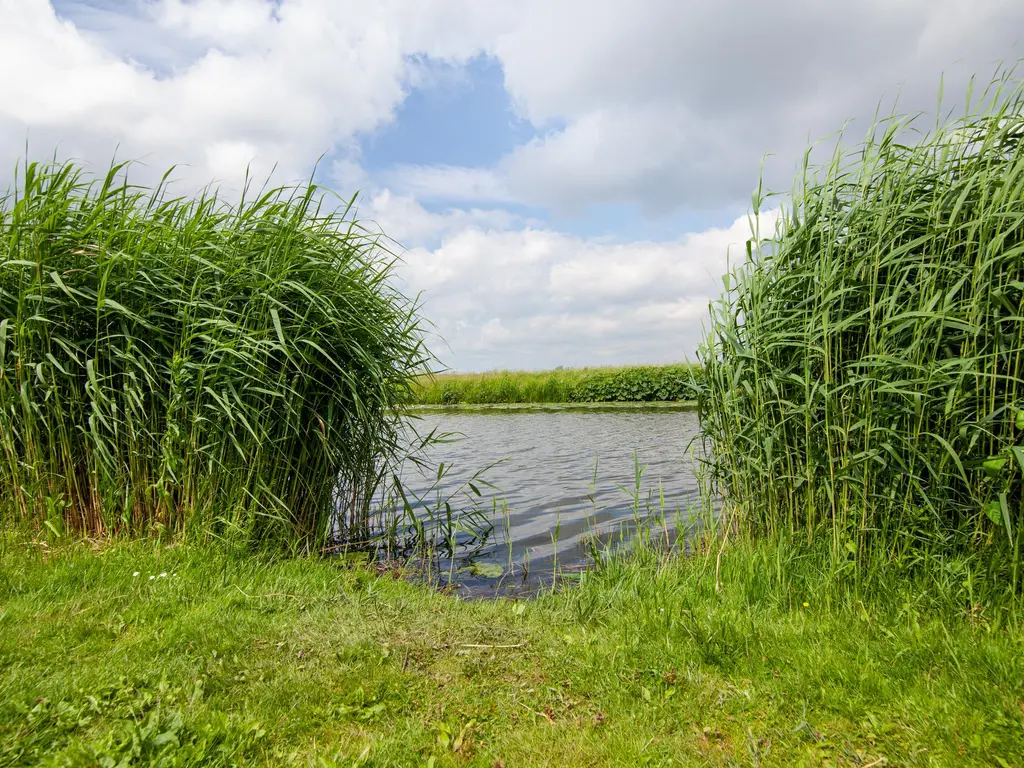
[(560, 476)]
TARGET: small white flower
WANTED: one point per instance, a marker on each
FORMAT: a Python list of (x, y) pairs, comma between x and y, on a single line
[(152, 577), (135, 575), (163, 575)]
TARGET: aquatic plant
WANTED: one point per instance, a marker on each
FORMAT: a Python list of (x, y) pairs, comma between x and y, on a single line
[(864, 368), (176, 364)]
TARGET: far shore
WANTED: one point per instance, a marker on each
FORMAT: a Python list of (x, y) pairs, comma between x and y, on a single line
[(676, 383), (657, 405)]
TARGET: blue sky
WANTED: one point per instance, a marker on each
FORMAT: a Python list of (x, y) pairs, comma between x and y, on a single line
[(460, 115), (464, 116), (568, 178)]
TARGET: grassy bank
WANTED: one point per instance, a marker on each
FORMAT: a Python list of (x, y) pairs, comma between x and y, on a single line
[(244, 660), (642, 383)]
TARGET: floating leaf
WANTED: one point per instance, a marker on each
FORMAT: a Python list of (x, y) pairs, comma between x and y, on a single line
[(487, 570)]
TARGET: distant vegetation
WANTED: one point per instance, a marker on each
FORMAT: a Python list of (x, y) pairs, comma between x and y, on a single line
[(642, 383), (865, 371), (176, 365)]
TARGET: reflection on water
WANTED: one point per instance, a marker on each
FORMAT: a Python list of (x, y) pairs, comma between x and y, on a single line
[(562, 474)]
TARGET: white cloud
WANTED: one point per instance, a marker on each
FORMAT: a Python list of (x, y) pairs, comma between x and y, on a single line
[(535, 298), (451, 183), (241, 82), (664, 102), (229, 24), (601, 156), (405, 220), (674, 102)]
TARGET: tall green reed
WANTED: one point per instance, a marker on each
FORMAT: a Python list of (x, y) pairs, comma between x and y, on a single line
[(182, 365), (865, 367)]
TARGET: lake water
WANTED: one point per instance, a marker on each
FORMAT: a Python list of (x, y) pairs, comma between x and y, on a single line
[(561, 476)]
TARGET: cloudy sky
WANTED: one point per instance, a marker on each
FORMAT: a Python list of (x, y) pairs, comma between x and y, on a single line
[(566, 176)]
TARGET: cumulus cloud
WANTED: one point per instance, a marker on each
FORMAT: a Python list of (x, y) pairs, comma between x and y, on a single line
[(241, 82), (674, 103), (451, 183), (535, 297), (666, 102), (406, 221)]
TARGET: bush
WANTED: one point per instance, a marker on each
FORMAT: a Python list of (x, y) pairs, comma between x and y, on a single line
[(177, 364), (639, 384)]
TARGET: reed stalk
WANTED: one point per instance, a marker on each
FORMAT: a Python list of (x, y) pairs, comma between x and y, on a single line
[(182, 365), (865, 367)]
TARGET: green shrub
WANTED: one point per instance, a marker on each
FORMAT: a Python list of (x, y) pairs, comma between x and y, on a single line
[(176, 364), (865, 367), (639, 384)]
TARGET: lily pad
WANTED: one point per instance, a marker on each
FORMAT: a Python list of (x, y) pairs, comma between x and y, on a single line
[(487, 570)]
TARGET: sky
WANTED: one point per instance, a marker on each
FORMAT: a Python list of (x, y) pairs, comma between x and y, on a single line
[(567, 179)]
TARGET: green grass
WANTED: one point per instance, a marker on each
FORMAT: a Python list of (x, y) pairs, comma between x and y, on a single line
[(641, 383), (865, 367), (186, 366), (251, 660)]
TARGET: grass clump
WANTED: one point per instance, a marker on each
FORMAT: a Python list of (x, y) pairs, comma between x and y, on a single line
[(233, 659), (641, 383), (183, 365), (865, 367)]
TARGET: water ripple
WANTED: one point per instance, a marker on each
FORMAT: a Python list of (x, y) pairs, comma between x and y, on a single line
[(546, 473)]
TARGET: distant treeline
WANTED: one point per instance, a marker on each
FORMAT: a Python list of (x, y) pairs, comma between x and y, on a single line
[(642, 383)]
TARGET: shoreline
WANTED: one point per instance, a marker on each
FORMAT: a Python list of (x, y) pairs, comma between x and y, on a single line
[(655, 405)]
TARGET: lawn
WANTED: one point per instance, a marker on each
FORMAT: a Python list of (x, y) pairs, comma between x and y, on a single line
[(136, 653)]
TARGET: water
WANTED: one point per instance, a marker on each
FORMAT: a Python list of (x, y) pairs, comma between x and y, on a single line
[(546, 476)]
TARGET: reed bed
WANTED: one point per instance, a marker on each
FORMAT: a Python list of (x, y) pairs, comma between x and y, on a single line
[(641, 383), (179, 365), (864, 367)]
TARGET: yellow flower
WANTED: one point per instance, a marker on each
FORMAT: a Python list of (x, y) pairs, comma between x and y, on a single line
[(807, 605)]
